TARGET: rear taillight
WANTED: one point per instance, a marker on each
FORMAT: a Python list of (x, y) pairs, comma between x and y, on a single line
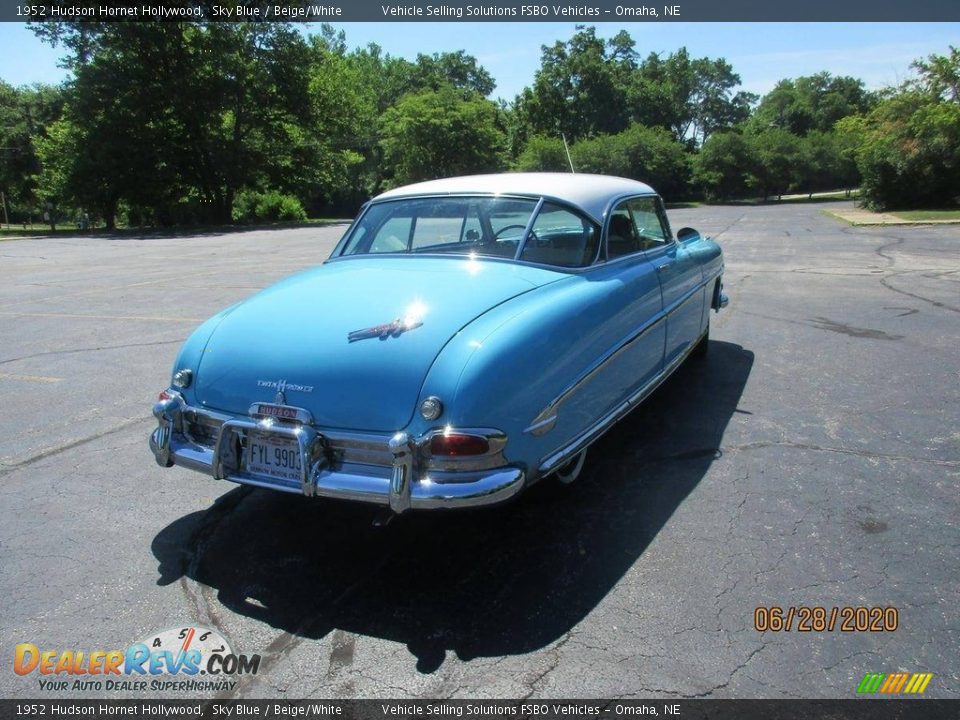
[(456, 445), (164, 395)]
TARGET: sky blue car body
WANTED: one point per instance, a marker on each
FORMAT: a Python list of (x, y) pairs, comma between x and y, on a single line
[(327, 372)]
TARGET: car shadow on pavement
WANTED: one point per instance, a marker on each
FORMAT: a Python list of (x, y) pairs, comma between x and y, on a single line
[(488, 583)]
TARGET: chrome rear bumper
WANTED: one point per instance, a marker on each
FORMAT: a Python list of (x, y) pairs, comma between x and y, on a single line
[(349, 466)]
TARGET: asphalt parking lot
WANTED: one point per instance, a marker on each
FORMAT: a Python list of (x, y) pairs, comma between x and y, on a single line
[(812, 460)]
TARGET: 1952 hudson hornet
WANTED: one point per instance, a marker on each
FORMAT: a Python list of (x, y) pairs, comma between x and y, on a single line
[(466, 338)]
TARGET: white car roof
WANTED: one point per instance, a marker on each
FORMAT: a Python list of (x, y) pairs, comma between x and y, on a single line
[(591, 193)]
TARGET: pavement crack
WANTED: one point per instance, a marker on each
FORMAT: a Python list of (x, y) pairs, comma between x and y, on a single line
[(551, 666), (843, 451), (7, 468), (738, 668), (885, 282), (89, 349)]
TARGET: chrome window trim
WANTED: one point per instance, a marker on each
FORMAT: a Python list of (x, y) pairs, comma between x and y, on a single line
[(337, 252), (608, 214), (526, 231)]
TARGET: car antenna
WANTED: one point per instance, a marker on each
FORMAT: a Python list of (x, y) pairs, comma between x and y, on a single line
[(567, 150)]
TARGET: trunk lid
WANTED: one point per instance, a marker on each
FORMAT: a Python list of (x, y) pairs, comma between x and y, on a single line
[(295, 336)]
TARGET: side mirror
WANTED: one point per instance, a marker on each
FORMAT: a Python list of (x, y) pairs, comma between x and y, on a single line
[(687, 233)]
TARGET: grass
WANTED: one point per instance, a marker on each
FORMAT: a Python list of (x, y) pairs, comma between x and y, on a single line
[(792, 199), (919, 215), (71, 229)]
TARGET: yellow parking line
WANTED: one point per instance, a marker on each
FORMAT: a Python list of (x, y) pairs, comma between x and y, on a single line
[(30, 378), (148, 318)]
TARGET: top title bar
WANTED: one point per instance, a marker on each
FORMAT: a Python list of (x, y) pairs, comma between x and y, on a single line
[(591, 11)]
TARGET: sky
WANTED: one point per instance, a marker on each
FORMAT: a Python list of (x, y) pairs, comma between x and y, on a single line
[(761, 53)]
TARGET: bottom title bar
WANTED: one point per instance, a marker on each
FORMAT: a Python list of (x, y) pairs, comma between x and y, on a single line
[(861, 709)]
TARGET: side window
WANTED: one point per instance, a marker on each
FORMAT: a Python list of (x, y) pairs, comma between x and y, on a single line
[(635, 225), (560, 237), (647, 222), (621, 234)]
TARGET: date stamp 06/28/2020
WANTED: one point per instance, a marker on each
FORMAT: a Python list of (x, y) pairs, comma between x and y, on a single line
[(818, 618)]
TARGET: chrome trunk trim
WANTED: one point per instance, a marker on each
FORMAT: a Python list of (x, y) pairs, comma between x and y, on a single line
[(367, 467)]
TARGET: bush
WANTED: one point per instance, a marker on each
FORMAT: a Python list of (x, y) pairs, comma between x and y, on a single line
[(724, 165), (909, 153), (543, 154), (440, 133), (270, 206), (651, 155)]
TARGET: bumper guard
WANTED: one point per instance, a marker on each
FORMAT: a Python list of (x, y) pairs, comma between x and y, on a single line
[(349, 466)]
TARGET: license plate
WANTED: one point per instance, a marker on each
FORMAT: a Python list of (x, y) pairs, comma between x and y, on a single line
[(274, 456)]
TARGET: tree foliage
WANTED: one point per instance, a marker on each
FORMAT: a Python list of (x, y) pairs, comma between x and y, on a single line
[(908, 152), (587, 86), (543, 154), (692, 97), (25, 115), (438, 133), (811, 103), (939, 76), (176, 118), (648, 154), (195, 122), (723, 166)]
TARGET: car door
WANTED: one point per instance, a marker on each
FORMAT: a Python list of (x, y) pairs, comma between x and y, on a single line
[(640, 311), (678, 272)]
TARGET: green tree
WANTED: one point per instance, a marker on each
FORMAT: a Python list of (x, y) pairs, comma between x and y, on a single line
[(908, 146), (543, 154), (826, 162), (939, 76), (25, 114), (578, 90), (777, 160), (692, 97), (909, 152), (811, 103), (651, 155), (723, 166), (173, 119), (458, 69), (439, 133)]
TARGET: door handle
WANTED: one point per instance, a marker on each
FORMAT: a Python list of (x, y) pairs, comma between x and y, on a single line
[(663, 268)]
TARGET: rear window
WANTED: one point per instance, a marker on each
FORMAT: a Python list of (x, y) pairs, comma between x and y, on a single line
[(485, 226)]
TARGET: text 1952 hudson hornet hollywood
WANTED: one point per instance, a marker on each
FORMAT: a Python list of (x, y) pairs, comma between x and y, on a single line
[(466, 338)]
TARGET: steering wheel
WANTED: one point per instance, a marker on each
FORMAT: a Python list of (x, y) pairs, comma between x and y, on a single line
[(532, 236)]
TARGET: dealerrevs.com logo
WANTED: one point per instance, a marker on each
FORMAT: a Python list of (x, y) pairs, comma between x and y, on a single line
[(171, 660)]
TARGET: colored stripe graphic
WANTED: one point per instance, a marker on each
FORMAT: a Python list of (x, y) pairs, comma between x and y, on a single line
[(870, 683), (889, 683), (894, 683)]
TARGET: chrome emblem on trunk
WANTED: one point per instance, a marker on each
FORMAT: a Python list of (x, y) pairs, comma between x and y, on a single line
[(283, 387), (390, 329)]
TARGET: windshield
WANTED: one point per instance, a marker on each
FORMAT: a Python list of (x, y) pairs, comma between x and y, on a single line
[(484, 226)]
